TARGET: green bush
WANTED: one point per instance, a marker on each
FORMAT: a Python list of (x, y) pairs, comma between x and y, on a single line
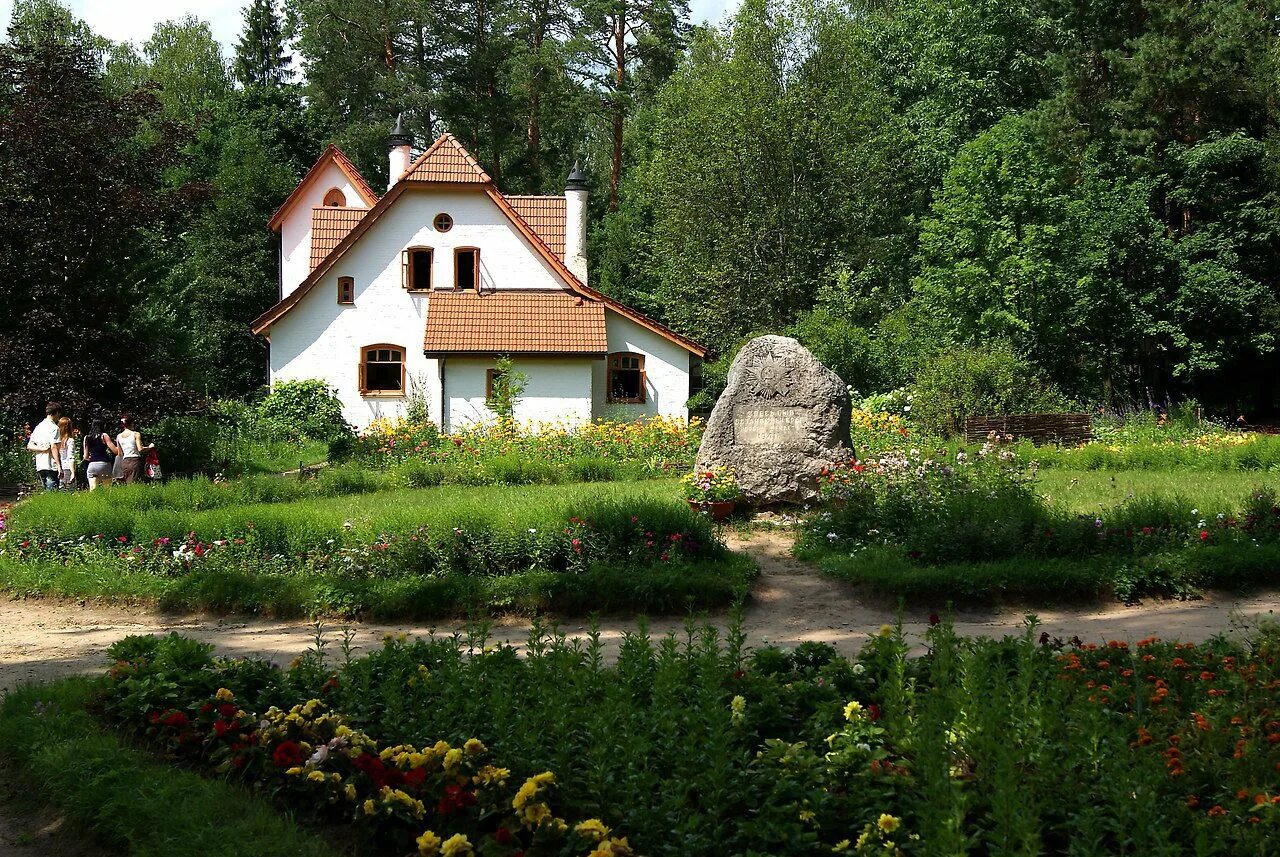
[(970, 381), (303, 410)]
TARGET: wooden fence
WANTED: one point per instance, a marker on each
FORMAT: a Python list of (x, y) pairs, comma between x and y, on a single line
[(1040, 428)]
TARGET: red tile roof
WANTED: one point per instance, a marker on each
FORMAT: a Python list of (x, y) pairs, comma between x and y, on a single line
[(508, 321), (329, 225), (446, 161), (330, 153), (545, 215)]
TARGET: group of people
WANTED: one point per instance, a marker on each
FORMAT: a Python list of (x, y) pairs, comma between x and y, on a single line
[(107, 458)]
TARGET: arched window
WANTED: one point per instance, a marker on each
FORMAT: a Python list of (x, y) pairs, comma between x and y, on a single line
[(382, 370), (346, 290), (335, 199), (626, 381)]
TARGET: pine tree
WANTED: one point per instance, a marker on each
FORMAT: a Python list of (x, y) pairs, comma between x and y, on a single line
[(261, 59)]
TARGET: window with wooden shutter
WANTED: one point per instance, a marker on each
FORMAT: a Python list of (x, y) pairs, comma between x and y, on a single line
[(404, 269), (382, 370), (625, 378), (466, 268)]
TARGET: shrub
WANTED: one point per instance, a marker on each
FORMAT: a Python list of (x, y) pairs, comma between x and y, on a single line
[(968, 381), (307, 410)]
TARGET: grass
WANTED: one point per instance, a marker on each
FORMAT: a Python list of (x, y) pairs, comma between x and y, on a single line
[(1082, 491), (405, 554), (127, 800)]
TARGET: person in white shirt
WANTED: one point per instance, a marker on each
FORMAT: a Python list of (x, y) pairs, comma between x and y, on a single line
[(67, 453), (45, 444)]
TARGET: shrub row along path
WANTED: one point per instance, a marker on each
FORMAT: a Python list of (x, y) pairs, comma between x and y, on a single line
[(791, 603)]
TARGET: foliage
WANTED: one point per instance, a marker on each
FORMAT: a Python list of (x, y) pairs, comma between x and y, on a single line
[(651, 446), (123, 797), (261, 57), (302, 410), (507, 388), (420, 554), (1148, 745), (970, 381)]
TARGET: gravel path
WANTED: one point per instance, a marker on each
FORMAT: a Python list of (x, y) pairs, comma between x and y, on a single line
[(42, 639)]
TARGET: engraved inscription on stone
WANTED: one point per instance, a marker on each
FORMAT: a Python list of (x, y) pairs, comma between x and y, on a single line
[(767, 426)]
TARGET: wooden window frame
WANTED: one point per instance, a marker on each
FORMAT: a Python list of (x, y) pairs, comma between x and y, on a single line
[(609, 369), (329, 194), (364, 361), (475, 281), (436, 220), (350, 284), (406, 269), (488, 382)]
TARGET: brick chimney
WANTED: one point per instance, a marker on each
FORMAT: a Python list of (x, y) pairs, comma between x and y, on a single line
[(575, 223)]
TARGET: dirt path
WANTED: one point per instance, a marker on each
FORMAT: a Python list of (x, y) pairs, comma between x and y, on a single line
[(42, 639)]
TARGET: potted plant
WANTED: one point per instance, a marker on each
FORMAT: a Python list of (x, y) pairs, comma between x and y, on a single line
[(712, 491)]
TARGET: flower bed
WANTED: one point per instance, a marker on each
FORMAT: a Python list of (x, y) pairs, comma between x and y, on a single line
[(436, 799), (406, 554), (655, 445), (699, 747), (958, 510)]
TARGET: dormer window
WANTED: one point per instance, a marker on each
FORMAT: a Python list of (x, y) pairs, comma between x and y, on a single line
[(626, 378), (335, 199), (466, 268), (416, 269)]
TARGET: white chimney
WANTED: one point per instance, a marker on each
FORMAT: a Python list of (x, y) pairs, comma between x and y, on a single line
[(398, 145), (575, 223)]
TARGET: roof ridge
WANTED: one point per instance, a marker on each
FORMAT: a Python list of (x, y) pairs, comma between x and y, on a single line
[(344, 164), (445, 140)]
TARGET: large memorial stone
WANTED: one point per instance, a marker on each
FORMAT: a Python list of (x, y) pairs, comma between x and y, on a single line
[(782, 418)]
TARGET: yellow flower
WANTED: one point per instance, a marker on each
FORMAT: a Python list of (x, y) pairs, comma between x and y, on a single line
[(316, 777), (350, 791), (593, 828), (536, 813), (737, 710), (886, 630), (452, 759), (224, 695), (853, 710), (369, 807), (456, 846), (293, 772), (888, 823), (807, 815), (428, 844), (474, 747), (841, 846)]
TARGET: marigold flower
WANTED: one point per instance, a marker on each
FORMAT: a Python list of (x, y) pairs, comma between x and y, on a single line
[(428, 844), (593, 829), (888, 823), (456, 846)]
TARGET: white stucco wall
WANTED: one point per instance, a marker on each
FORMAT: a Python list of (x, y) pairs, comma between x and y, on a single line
[(295, 231), (318, 338), (666, 367), (556, 390)]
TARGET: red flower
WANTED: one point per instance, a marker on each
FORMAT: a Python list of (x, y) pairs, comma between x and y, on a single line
[(227, 710), (287, 755), (503, 836), (1204, 534), (933, 619), (175, 719)]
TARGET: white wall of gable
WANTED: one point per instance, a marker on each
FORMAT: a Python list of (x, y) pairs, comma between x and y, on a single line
[(666, 367), (295, 231), (319, 338)]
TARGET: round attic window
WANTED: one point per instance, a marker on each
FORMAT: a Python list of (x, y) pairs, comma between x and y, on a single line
[(443, 222)]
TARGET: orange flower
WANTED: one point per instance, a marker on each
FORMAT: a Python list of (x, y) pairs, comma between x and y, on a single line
[(1216, 812)]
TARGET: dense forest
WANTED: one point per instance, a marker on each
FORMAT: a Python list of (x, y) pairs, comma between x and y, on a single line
[(1077, 198)]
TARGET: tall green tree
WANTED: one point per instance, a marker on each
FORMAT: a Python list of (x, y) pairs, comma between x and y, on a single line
[(262, 55), (79, 190)]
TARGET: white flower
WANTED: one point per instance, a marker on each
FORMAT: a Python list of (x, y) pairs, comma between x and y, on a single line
[(831, 537), (532, 530), (858, 669), (1195, 512), (318, 757)]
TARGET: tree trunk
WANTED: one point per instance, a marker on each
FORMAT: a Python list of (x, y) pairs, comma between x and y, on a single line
[(535, 107), (620, 79)]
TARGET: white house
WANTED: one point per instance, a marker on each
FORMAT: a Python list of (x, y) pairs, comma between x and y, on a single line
[(422, 290)]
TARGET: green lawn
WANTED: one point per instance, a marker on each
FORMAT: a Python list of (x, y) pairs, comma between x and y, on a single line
[(400, 554), (1084, 490)]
